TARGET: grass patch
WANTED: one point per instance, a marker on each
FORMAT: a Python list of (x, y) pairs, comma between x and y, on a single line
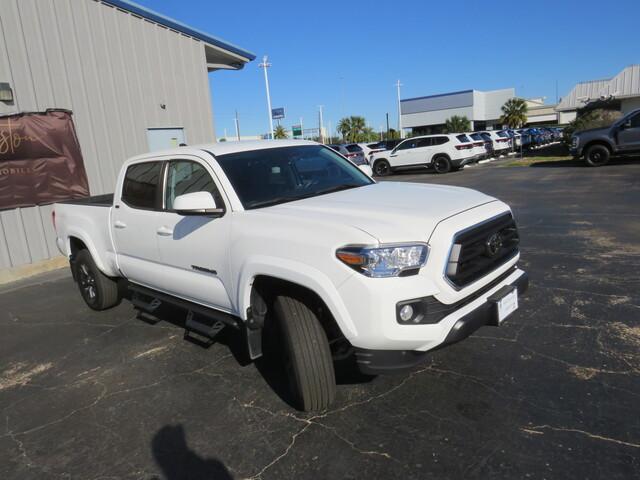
[(528, 161)]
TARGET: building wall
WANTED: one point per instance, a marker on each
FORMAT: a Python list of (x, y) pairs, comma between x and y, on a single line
[(111, 68), (629, 104), (487, 105)]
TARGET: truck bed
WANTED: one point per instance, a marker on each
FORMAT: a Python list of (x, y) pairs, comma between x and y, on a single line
[(105, 200)]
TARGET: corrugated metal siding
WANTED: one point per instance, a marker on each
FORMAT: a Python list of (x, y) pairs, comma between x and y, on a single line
[(111, 68)]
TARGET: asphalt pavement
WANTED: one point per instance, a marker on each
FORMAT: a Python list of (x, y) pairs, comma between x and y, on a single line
[(553, 393)]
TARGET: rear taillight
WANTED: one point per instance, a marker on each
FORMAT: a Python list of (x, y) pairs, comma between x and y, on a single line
[(53, 219), (464, 147), (351, 155)]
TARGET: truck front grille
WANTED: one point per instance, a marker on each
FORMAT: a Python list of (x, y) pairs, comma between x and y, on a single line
[(481, 249)]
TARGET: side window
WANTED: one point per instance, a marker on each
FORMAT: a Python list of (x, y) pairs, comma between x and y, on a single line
[(406, 145), (425, 142), (140, 187), (186, 176), (440, 140), (635, 121)]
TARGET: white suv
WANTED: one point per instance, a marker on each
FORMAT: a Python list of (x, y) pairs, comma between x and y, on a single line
[(441, 152)]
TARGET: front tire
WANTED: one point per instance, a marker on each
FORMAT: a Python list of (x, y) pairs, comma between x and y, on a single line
[(442, 164), (306, 354), (381, 168), (597, 156), (98, 291)]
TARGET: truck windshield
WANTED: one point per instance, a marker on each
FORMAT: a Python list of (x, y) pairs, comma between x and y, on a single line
[(270, 176)]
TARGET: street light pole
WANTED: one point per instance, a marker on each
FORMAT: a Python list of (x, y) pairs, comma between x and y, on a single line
[(321, 125), (301, 129), (398, 85), (237, 126), (265, 64)]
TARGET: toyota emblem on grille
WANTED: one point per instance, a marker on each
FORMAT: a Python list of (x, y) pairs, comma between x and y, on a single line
[(493, 244)]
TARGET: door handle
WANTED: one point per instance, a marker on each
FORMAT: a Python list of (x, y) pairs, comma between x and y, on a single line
[(119, 224), (164, 231)]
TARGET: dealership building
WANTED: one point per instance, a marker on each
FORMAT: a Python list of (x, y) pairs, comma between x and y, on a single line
[(133, 80), (428, 114)]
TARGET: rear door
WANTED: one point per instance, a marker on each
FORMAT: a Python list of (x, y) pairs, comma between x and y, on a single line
[(629, 137), (134, 222), (194, 248)]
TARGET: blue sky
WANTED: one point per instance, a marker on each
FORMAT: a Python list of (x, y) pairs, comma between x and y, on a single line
[(347, 55)]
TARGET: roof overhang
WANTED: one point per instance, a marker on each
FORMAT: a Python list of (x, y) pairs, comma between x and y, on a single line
[(220, 54)]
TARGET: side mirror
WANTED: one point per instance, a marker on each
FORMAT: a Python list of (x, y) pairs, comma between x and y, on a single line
[(196, 203), (366, 169), (627, 124)]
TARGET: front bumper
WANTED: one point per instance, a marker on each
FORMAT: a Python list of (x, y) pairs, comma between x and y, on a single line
[(373, 362)]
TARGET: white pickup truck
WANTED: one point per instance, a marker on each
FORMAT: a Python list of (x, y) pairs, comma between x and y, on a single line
[(289, 241)]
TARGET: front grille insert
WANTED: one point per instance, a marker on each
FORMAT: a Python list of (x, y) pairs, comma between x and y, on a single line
[(481, 249)]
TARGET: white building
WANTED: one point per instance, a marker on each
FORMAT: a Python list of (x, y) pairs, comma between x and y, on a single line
[(428, 114)]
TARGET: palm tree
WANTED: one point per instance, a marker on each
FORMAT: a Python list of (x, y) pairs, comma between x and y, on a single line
[(280, 132), (514, 113), (457, 124), (352, 128)]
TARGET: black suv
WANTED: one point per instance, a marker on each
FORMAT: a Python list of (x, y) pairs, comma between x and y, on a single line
[(597, 145)]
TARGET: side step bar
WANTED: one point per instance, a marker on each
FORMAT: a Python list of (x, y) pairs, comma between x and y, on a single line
[(201, 320)]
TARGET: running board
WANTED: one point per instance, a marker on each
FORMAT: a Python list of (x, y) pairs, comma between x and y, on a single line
[(205, 327)]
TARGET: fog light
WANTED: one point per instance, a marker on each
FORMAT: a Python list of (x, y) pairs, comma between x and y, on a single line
[(406, 313)]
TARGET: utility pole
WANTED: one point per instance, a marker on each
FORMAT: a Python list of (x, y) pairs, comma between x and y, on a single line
[(321, 125), (387, 125), (301, 129), (237, 126), (329, 132), (265, 64), (398, 85)]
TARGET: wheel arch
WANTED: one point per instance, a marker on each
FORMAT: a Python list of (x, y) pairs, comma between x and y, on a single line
[(598, 141)]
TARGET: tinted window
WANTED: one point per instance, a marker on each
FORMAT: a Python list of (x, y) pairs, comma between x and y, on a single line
[(353, 148), (140, 186), (283, 174), (635, 121), (407, 144), (424, 142), (440, 140), (475, 136), (185, 176), (463, 138), (503, 134)]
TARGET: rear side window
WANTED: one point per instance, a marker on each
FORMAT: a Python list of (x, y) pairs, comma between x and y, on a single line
[(463, 138), (140, 188), (635, 121), (503, 134), (440, 140), (353, 148), (425, 142)]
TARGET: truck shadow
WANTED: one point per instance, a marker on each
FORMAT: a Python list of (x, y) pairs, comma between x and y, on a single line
[(269, 365)]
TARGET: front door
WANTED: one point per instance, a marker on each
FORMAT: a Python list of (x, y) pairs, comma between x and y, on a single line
[(134, 222), (629, 137), (164, 138), (403, 154), (194, 248)]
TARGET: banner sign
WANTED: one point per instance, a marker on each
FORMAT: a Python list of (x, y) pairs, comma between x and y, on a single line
[(40, 160), (277, 113)]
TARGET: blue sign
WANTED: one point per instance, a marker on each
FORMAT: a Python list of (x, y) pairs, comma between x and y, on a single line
[(277, 113)]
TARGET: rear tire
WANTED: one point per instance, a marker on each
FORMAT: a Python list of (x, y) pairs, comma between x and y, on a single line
[(597, 156), (98, 291), (381, 168), (307, 355), (441, 164)]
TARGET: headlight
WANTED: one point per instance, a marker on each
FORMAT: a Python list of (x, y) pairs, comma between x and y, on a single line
[(574, 141), (385, 260)]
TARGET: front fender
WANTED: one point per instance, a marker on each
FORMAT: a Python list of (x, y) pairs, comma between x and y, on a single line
[(298, 273)]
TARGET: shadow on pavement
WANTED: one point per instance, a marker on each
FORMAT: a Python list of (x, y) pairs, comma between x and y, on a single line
[(177, 461)]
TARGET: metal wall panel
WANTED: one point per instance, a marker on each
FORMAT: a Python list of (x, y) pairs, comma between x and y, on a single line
[(114, 70)]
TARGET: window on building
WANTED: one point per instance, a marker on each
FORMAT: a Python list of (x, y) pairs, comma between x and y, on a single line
[(140, 187)]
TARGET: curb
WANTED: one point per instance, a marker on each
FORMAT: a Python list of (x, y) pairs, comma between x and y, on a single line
[(22, 272)]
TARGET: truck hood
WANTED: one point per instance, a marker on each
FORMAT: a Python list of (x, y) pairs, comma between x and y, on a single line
[(591, 131), (388, 211)]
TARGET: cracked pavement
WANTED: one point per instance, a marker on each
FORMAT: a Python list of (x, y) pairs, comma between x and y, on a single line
[(553, 393)]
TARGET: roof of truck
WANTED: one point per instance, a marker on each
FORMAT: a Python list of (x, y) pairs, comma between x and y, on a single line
[(222, 148)]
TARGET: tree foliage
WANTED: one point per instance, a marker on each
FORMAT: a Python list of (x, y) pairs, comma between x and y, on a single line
[(354, 129), (514, 112), (280, 133), (456, 124)]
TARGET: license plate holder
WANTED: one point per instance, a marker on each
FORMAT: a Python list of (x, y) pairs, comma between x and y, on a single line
[(505, 302)]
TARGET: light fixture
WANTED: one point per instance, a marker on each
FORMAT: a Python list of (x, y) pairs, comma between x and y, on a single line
[(6, 94)]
